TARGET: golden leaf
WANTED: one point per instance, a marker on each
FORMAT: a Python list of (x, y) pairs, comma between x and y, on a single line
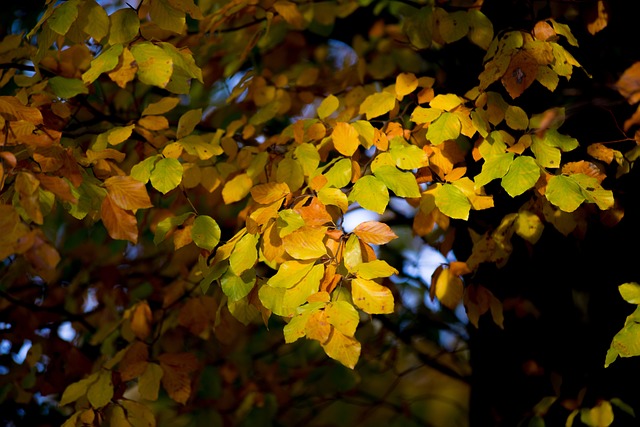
[(447, 287), (120, 224), (405, 84), (127, 193), (342, 348), (371, 297), (141, 320), (269, 192), (345, 138), (306, 243), (126, 69)]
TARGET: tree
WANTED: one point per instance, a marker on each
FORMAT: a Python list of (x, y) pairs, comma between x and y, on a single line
[(218, 213)]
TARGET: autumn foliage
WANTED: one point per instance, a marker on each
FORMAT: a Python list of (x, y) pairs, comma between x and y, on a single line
[(177, 178)]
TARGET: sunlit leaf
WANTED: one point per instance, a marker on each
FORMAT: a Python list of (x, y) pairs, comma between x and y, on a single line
[(155, 66), (377, 104), (370, 193), (374, 232), (205, 232), (522, 175), (166, 175), (453, 202), (446, 127), (403, 184), (344, 349), (371, 297)]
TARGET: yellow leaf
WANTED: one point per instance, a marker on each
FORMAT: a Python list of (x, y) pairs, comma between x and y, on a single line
[(405, 84), (154, 122), (126, 69), (237, 188), (187, 122), (270, 192), (342, 316), (345, 138), (162, 106), (377, 104), (289, 11), (306, 243), (342, 348), (317, 327), (166, 16), (290, 273), (599, 416), (141, 320), (448, 287), (371, 297), (128, 193), (374, 232), (100, 393), (328, 106)]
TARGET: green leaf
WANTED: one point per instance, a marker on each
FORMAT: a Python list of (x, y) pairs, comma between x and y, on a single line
[(97, 20), (125, 25), (289, 221), (452, 202), (366, 131), (523, 175), (149, 382), (593, 192), (100, 392), (167, 225), (446, 127), (547, 155), (407, 156), (142, 171), (564, 192), (403, 184), (377, 104), (419, 27), (563, 142), (75, 391), (237, 287), (308, 157), (155, 66), (370, 193), (107, 61), (340, 174), (494, 167), (166, 175), (63, 17), (244, 255), (453, 26), (205, 232), (67, 88), (630, 292)]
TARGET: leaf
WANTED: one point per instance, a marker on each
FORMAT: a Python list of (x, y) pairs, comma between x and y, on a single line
[(480, 28), (306, 243), (270, 192), (176, 380), (600, 415), (244, 255), (630, 292), (494, 167), (452, 202), (155, 66), (516, 118), (106, 61), (67, 88), (127, 193), (75, 391), (236, 287), (342, 316), (166, 175), (328, 106), (425, 115), (149, 382), (446, 102), (100, 392), (374, 232), (63, 17), (167, 225), (405, 84), (340, 173), (522, 176), (188, 122), (164, 105), (453, 26), (205, 232), (126, 70), (447, 126), (125, 25), (135, 361), (290, 273), (373, 269), (138, 415), (370, 193), (377, 104), (237, 188), (289, 11), (448, 288), (120, 224), (140, 320), (342, 348), (142, 171), (564, 192), (345, 138), (166, 16), (371, 297), (403, 184), (522, 71)]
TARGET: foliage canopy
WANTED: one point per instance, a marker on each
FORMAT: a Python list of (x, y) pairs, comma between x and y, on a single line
[(179, 181)]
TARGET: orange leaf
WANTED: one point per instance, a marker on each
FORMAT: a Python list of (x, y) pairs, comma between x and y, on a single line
[(141, 320), (543, 30), (128, 193), (135, 361), (126, 69), (175, 379), (345, 138), (120, 224), (520, 74), (374, 232), (629, 83), (601, 18)]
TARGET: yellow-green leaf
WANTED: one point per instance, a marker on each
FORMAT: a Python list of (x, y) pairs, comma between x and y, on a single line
[(166, 16), (75, 391), (244, 255), (446, 127), (166, 175), (205, 232), (342, 316), (377, 104), (155, 66), (523, 175), (100, 392), (453, 202), (106, 61), (67, 88), (403, 184), (370, 193), (149, 382), (328, 106), (236, 287), (290, 273), (630, 292), (125, 25), (162, 106), (64, 16), (187, 122), (480, 28)]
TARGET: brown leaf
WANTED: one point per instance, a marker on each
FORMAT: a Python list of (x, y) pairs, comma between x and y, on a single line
[(520, 74), (135, 361), (57, 186), (176, 379), (120, 224), (128, 193), (599, 17), (629, 83)]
